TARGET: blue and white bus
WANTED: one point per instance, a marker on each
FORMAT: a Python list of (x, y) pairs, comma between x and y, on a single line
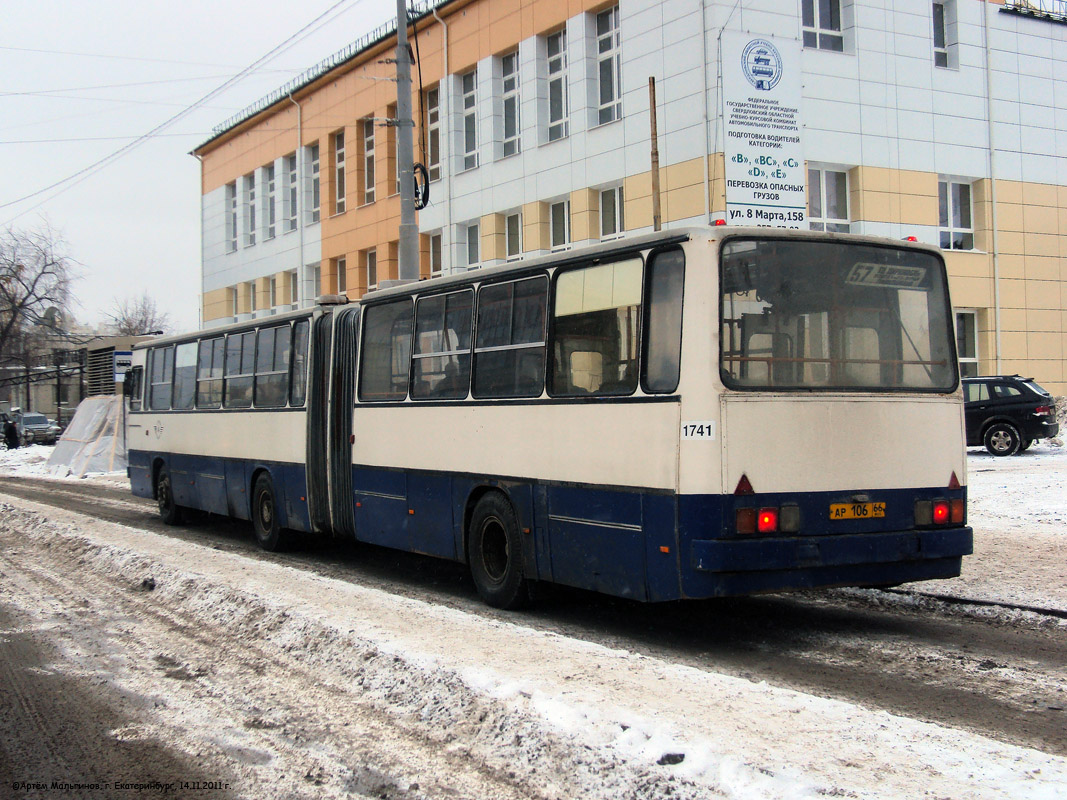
[(695, 413)]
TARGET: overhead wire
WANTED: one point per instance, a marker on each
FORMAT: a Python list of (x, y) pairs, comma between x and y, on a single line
[(77, 177)]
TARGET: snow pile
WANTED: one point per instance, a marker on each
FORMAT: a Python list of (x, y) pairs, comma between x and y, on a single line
[(29, 461), (564, 718)]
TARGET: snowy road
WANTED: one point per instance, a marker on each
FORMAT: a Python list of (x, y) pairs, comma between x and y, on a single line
[(353, 671)]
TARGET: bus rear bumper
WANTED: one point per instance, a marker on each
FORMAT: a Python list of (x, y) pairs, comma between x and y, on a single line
[(740, 567)]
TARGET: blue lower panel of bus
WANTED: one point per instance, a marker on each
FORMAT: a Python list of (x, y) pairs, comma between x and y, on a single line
[(222, 485), (650, 546)]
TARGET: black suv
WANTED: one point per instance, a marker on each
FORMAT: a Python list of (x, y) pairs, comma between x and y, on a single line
[(1007, 413)]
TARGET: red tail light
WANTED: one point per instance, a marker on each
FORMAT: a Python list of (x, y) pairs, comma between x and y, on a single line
[(1043, 410), (767, 520), (942, 512)]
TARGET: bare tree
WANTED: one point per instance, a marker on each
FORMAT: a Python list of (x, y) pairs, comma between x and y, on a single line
[(134, 316), (35, 278)]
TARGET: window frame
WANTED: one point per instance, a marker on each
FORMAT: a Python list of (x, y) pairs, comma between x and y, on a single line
[(819, 34), (258, 374), (239, 374), (458, 353), (510, 98), (566, 244), (513, 240), (269, 181), (511, 347), (822, 221), (557, 72), (468, 129), (337, 142), (363, 341), (608, 49), (369, 174), (167, 350), (950, 206), (292, 168), (315, 180), (962, 339), (221, 353), (433, 132), (231, 217), (618, 218), (250, 208)]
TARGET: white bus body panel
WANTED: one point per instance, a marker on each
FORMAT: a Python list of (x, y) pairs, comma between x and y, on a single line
[(796, 443), (587, 443)]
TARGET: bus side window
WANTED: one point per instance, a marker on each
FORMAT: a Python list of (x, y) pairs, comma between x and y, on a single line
[(161, 360), (209, 373), (442, 358), (240, 364), (298, 383), (185, 375), (663, 322), (595, 330), (272, 366), (386, 351), (132, 387), (509, 354)]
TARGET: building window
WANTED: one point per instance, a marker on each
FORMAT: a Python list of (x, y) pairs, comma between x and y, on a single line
[(945, 35), (292, 194), (822, 24), (316, 279), (392, 162), (251, 296), (270, 201), (611, 221), (340, 266), (468, 87), (559, 223), (473, 249), (609, 65), (433, 133), (967, 343), (339, 171), (558, 92), (250, 209), (828, 200), (436, 256), (954, 210), (294, 288), (231, 216), (273, 293), (370, 260), (368, 161), (313, 152), (234, 303), (509, 68), (513, 237)]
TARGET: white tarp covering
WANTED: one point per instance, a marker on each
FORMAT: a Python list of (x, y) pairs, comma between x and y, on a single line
[(95, 440)]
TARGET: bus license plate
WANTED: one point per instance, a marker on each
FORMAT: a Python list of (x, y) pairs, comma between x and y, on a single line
[(857, 510)]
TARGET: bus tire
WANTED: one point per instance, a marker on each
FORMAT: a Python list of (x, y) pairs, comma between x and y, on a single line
[(269, 533), (169, 511), (495, 553), (1002, 439)]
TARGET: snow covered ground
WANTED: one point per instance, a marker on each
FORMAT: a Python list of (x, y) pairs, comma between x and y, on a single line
[(565, 718)]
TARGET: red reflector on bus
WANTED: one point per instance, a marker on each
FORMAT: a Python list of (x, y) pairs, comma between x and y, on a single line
[(720, 222), (767, 521), (746, 520), (941, 512), (911, 238), (743, 486), (954, 482), (664, 549), (958, 509)]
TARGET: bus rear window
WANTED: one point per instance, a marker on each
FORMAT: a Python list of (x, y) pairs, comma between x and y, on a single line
[(832, 315)]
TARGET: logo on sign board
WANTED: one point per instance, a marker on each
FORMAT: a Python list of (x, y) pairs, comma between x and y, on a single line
[(762, 64)]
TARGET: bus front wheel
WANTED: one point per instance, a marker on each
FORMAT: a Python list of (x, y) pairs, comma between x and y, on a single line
[(169, 511), (495, 550), (269, 533)]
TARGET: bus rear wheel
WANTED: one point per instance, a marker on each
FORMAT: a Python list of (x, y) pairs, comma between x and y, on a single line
[(169, 511), (269, 533), (495, 550)]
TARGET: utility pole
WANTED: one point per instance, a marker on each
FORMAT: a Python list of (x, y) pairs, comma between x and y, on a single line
[(408, 248)]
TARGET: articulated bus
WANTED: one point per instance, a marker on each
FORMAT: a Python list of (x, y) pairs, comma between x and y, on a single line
[(696, 413)]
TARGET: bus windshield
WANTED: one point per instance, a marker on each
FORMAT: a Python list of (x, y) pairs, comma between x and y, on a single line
[(804, 314)]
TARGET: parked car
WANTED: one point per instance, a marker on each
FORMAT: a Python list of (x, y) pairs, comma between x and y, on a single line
[(1007, 413), (36, 428)]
